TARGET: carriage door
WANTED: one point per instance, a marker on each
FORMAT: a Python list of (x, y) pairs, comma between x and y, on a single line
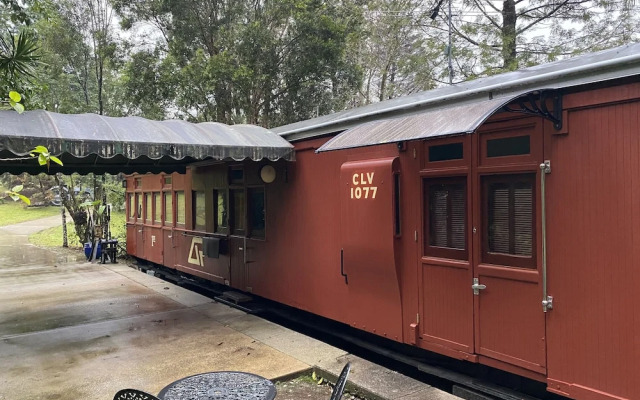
[(237, 238), (510, 323), (445, 267), (139, 225)]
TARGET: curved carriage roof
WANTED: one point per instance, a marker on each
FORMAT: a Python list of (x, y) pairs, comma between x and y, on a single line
[(605, 65), (95, 143)]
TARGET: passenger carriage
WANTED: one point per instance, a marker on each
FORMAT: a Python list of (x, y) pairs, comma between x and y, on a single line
[(496, 221)]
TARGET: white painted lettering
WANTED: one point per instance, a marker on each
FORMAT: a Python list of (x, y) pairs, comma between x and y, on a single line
[(362, 186), (370, 177), (196, 256)]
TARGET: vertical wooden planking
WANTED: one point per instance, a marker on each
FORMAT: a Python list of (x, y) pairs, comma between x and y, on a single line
[(594, 218)]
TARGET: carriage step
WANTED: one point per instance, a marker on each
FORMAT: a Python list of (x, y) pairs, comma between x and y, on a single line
[(236, 297)]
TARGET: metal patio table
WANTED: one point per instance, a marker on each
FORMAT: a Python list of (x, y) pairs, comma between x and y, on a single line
[(222, 385)]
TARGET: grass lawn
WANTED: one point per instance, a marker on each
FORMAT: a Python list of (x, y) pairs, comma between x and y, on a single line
[(52, 237), (12, 212)]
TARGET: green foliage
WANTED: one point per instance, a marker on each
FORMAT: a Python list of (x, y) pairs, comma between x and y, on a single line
[(18, 55), (44, 157), (15, 194), (492, 37), (231, 61), (16, 212)]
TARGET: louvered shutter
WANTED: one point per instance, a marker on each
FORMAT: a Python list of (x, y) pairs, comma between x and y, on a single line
[(510, 216), (447, 215)]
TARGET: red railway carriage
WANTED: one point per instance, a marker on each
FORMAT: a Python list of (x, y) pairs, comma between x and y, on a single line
[(494, 222)]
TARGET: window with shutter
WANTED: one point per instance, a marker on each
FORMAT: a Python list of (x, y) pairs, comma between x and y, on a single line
[(445, 212), (509, 220)]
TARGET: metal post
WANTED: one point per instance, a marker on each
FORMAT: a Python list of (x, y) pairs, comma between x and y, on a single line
[(65, 242)]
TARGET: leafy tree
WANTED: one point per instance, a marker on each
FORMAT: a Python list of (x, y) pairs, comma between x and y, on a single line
[(491, 37), (397, 58), (236, 61)]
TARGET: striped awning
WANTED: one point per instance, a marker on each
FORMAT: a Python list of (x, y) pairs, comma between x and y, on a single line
[(94, 143)]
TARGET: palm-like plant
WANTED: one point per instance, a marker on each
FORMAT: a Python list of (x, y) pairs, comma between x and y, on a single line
[(18, 58)]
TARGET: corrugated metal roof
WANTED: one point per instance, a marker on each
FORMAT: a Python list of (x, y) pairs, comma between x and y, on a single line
[(605, 65), (437, 122), (141, 144)]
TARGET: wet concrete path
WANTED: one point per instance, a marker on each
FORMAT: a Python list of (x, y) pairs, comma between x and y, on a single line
[(76, 330)]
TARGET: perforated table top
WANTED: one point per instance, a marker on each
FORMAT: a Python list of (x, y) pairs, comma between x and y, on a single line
[(224, 385)]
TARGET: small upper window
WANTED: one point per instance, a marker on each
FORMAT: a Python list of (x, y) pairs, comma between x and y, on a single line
[(167, 181), (446, 152), (510, 146), (138, 183), (236, 175)]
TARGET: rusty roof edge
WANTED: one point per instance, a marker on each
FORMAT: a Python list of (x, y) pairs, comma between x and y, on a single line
[(529, 82)]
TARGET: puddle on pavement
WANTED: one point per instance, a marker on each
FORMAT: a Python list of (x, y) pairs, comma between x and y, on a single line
[(17, 251)]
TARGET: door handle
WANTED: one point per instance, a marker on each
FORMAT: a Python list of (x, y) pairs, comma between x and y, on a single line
[(477, 287), (346, 278)]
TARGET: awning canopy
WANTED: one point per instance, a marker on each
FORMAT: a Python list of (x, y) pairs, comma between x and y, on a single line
[(94, 143), (444, 120)]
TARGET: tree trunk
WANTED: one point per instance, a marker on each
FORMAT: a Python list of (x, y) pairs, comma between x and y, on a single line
[(509, 35), (77, 213)]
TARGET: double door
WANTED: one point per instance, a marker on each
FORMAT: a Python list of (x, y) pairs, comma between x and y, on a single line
[(480, 261)]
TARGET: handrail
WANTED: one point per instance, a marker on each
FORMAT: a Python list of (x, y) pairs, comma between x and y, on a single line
[(547, 301)]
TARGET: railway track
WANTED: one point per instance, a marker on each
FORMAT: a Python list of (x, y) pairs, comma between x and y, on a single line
[(463, 379)]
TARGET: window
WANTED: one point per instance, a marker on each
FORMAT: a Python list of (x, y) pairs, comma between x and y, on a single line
[(148, 216), (445, 217), (256, 212), (138, 183), (180, 205), (220, 210), (139, 206), (446, 152), (157, 204), (199, 211), (167, 181), (236, 175), (396, 205), (168, 208), (509, 202), (132, 206), (510, 146), (238, 211)]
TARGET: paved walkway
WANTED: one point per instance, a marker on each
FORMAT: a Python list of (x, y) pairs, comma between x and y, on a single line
[(75, 330)]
